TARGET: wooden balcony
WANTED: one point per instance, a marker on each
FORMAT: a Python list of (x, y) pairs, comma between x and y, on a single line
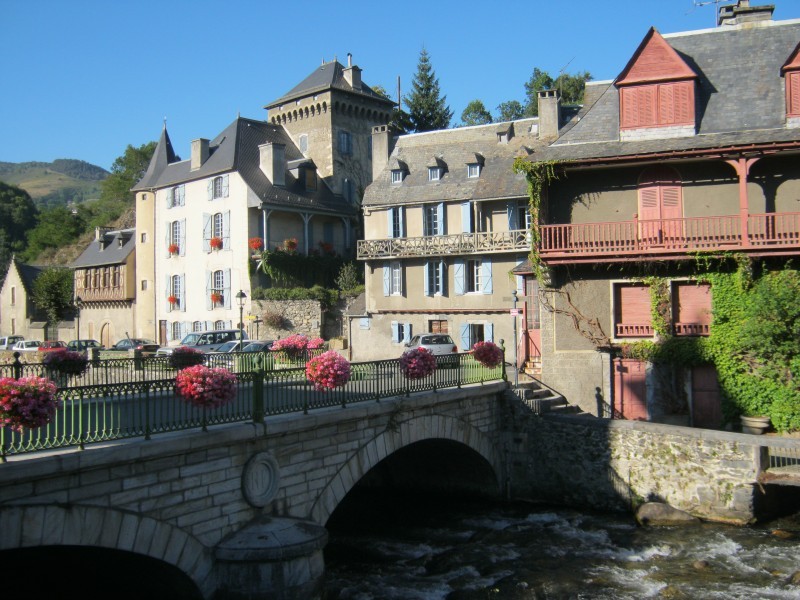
[(774, 233), (443, 245), (102, 294)]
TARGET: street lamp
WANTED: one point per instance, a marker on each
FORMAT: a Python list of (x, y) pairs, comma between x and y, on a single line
[(240, 298), (516, 363), (78, 302)]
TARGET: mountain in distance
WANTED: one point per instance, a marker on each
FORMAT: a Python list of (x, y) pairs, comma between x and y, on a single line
[(61, 182)]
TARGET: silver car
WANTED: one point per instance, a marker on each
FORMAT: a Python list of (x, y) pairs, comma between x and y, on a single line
[(27, 346), (438, 344)]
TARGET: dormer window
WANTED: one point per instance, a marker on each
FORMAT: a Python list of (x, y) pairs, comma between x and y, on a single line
[(434, 173), (791, 76), (397, 176), (473, 170), (310, 179)]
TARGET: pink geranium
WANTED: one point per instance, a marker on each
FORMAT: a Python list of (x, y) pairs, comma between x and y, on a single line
[(206, 387), (327, 371), (488, 354), (417, 363), (296, 345), (66, 362), (27, 403)]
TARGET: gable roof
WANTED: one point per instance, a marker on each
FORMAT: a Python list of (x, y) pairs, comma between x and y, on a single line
[(163, 156), (112, 248), (27, 273), (328, 76), (739, 96), (654, 60)]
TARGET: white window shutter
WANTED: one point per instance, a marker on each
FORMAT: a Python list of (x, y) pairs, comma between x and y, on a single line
[(167, 292), (183, 292), (486, 276), (167, 237), (209, 283), (440, 216), (182, 243), (387, 280), (488, 330), (390, 224), (407, 333), (427, 277), (226, 294), (520, 280), (224, 186), (395, 331), (207, 232), (226, 230), (466, 217), (182, 192), (211, 189), (513, 215)]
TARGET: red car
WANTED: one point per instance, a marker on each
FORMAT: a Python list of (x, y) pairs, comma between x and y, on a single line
[(48, 346)]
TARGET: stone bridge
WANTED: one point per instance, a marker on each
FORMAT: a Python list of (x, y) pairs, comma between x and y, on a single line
[(240, 509)]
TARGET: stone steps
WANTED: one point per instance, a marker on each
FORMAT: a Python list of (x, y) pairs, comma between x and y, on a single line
[(542, 400)]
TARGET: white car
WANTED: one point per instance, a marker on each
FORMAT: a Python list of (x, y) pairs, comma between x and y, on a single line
[(27, 346), (7, 342)]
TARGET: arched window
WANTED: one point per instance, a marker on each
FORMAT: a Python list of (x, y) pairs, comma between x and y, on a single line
[(218, 187), (176, 286), (660, 206), (176, 330), (217, 225), (197, 326), (219, 325), (175, 233)]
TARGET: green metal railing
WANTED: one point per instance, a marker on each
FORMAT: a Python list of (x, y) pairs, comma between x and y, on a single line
[(102, 405)]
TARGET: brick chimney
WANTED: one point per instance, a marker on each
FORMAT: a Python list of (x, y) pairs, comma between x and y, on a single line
[(742, 13), (272, 162), (199, 153), (549, 114), (352, 74), (381, 142)]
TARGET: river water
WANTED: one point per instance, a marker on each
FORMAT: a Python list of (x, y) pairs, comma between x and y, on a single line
[(391, 547)]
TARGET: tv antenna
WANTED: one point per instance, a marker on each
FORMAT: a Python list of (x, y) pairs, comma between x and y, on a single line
[(716, 3)]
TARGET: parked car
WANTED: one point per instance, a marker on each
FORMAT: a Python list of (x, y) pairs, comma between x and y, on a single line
[(437, 344), (205, 341), (241, 360), (27, 346), (50, 345), (142, 344), (7, 342), (83, 345)]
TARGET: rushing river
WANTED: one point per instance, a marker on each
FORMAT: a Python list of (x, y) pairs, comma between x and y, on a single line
[(395, 548)]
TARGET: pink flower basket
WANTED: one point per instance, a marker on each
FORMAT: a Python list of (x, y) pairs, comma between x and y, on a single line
[(327, 371), (295, 346), (488, 354), (66, 362), (27, 403), (417, 363), (206, 387)]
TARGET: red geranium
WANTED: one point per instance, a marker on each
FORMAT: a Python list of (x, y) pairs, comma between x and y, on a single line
[(417, 363), (488, 354), (215, 243), (206, 387), (173, 248), (327, 371), (255, 243)]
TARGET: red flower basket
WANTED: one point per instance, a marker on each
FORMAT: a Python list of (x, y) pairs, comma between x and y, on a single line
[(215, 243), (172, 300), (327, 371), (417, 363), (216, 298), (256, 244), (27, 403), (290, 245), (173, 248), (488, 354), (206, 387)]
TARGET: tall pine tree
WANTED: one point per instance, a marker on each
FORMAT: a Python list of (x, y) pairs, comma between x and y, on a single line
[(426, 107)]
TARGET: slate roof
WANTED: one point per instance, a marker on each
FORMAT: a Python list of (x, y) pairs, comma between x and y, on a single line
[(328, 76), (739, 97), (27, 273), (455, 148), (116, 247), (236, 149)]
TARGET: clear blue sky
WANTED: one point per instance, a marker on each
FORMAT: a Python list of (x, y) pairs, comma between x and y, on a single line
[(85, 78)]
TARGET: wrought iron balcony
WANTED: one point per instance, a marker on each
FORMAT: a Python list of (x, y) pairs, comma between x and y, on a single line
[(774, 233), (442, 245)]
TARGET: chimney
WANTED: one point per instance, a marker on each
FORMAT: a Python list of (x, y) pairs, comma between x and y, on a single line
[(352, 74), (549, 114), (272, 162), (742, 13), (381, 138), (199, 153)]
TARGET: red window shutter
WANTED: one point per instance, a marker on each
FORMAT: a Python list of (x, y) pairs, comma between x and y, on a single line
[(671, 202), (793, 93), (648, 203), (693, 308), (676, 103), (632, 311), (629, 100), (666, 104)]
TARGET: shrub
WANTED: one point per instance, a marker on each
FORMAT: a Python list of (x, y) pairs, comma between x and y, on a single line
[(183, 357), (327, 371), (206, 387), (488, 354), (274, 320), (417, 363), (27, 403)]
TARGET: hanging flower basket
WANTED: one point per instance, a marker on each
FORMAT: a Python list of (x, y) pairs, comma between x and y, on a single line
[(206, 387), (66, 362), (183, 357), (297, 345), (488, 354), (216, 298), (173, 248), (215, 243), (290, 245), (173, 300), (326, 247), (256, 244), (327, 371), (27, 403), (417, 363)]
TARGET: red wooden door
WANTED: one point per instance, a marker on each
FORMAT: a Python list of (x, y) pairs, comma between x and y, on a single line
[(660, 207), (531, 319), (630, 389), (706, 405)]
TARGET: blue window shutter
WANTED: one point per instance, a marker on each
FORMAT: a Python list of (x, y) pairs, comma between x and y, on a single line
[(459, 273), (488, 331), (183, 292), (226, 292), (463, 332), (209, 283), (206, 232), (401, 212), (466, 217), (183, 237), (390, 219), (181, 195), (486, 276), (407, 333), (387, 280), (211, 189), (440, 215), (224, 186), (443, 272), (226, 230), (427, 277), (395, 331), (513, 219)]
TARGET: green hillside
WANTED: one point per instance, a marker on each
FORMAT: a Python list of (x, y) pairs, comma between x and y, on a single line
[(57, 183)]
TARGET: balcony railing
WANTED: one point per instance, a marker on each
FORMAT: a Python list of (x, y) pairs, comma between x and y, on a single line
[(592, 241), (103, 293), (443, 245)]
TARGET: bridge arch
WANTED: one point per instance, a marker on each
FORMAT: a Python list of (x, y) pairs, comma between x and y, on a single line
[(396, 437), (32, 526)]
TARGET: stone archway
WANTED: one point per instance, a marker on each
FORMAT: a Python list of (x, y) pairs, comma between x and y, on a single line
[(405, 433)]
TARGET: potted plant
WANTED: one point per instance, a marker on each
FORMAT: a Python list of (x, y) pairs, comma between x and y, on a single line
[(417, 363), (184, 356), (216, 298), (256, 244), (27, 403), (488, 354), (290, 245), (173, 248), (65, 363), (755, 424), (173, 300), (215, 243), (327, 371), (206, 387)]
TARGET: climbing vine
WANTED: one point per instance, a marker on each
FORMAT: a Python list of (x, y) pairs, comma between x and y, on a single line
[(660, 305), (538, 174)]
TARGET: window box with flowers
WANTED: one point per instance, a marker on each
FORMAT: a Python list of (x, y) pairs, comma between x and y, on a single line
[(216, 298), (256, 244), (215, 243), (173, 249), (290, 245), (173, 301)]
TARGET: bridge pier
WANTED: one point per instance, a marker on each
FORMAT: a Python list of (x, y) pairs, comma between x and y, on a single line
[(272, 557)]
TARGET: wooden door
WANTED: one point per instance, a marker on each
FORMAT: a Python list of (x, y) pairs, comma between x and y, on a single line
[(531, 325), (660, 207), (630, 389), (706, 404)]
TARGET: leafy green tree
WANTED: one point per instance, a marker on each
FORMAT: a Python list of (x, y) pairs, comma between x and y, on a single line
[(53, 293), (426, 106), (539, 80), (570, 86), (57, 227), (126, 171), (476, 114), (18, 214), (509, 111)]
